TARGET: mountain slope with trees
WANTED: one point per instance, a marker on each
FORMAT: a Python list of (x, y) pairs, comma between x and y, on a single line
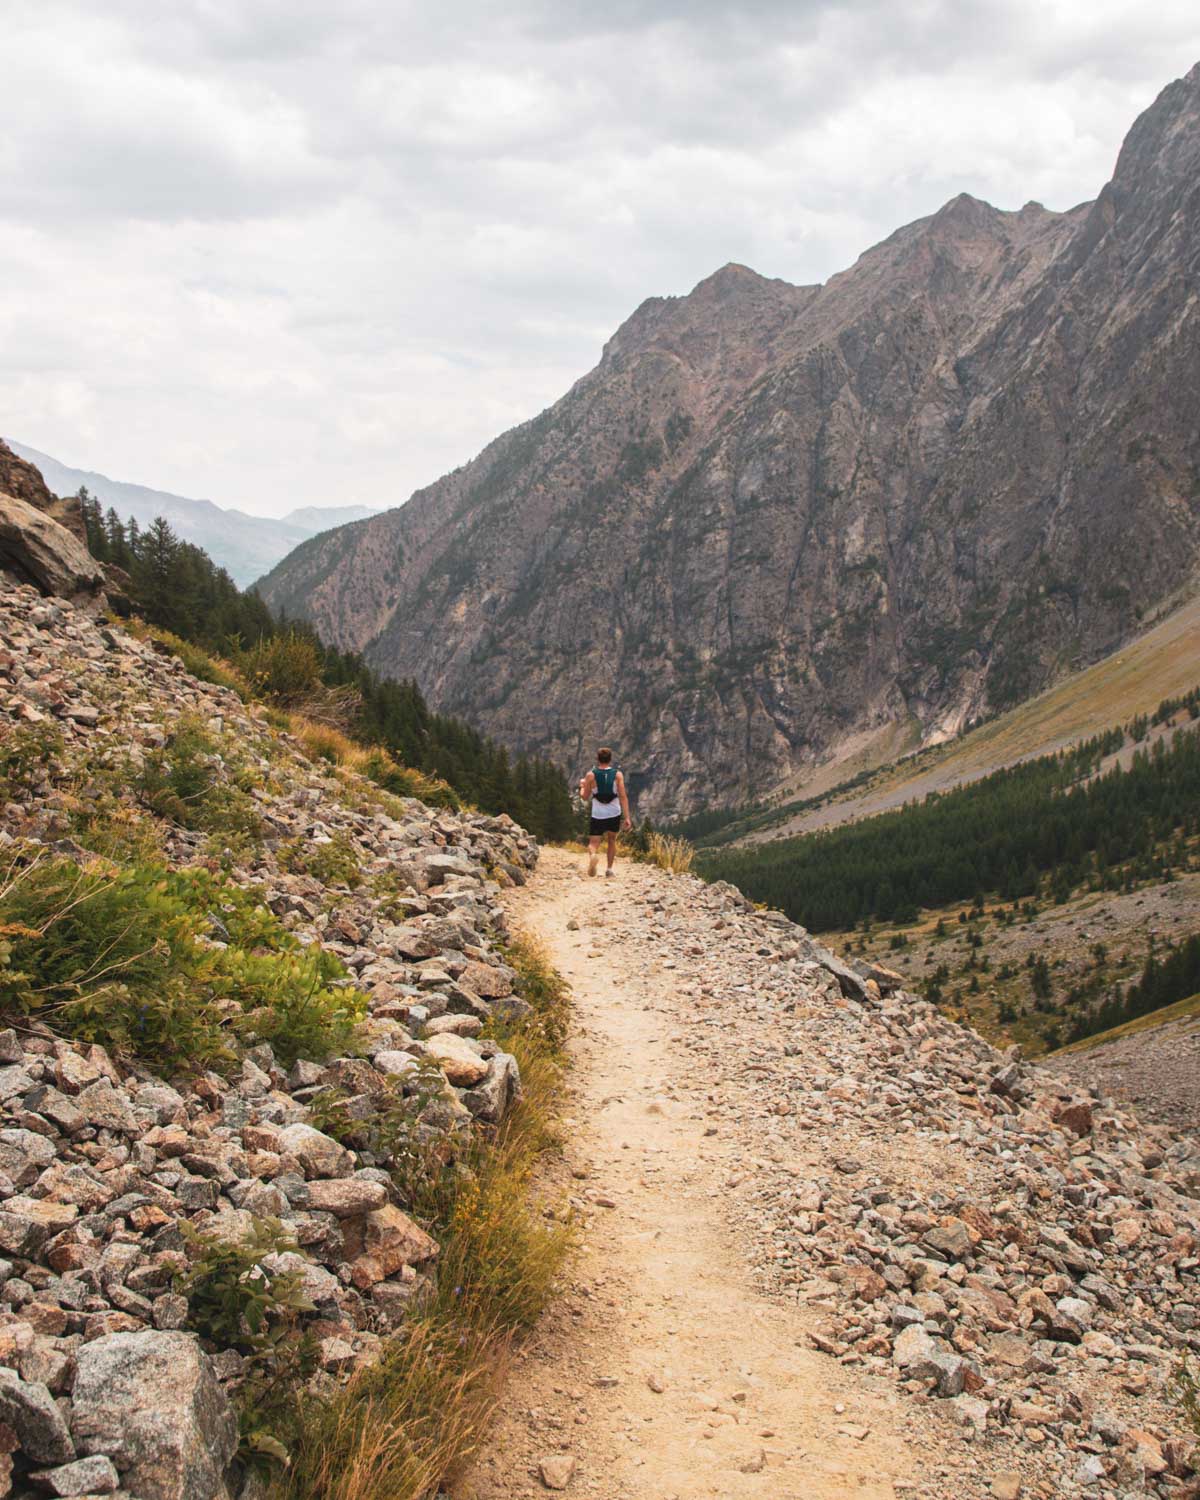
[(1057, 818), (777, 523), (177, 587)]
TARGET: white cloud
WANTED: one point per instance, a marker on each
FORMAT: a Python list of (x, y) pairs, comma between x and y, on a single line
[(280, 252)]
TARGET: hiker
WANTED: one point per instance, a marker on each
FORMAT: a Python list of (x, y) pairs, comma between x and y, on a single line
[(605, 785)]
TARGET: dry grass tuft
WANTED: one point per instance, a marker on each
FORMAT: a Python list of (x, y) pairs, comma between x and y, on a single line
[(401, 1428), (671, 854), (326, 742), (323, 741)]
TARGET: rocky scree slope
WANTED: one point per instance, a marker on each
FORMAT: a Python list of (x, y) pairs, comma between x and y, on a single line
[(778, 523), (110, 1167), (1019, 1253)]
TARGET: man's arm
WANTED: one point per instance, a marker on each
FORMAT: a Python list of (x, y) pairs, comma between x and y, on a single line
[(627, 821), (587, 786)]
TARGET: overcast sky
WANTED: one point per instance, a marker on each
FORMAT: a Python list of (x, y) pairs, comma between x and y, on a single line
[(288, 252)]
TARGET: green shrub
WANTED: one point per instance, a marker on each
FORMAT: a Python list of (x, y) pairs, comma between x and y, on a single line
[(25, 753), (191, 782), (399, 1135), (110, 956), (232, 1299), (293, 1000), (335, 862), (284, 669), (235, 1302), (119, 956)]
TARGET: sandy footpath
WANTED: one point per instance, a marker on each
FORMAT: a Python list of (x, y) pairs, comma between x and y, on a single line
[(663, 1373)]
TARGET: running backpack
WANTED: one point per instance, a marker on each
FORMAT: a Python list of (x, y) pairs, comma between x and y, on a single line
[(606, 783)]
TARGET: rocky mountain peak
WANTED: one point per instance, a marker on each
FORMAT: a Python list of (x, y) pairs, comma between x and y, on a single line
[(733, 303), (964, 212), (1163, 147)]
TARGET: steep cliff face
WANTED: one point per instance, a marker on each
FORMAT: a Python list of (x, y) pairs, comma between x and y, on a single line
[(777, 520)]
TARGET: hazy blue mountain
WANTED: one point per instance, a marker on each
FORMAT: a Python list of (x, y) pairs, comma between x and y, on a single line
[(316, 518), (248, 546)]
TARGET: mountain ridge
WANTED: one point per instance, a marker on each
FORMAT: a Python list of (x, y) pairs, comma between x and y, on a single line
[(773, 518), (242, 543)]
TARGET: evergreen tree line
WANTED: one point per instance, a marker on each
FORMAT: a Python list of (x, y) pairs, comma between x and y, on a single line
[(176, 586), (1052, 816), (1163, 982)]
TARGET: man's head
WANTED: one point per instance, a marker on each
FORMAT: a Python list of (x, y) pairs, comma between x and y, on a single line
[(604, 756)]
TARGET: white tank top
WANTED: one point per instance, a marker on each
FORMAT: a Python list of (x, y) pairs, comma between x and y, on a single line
[(607, 809)]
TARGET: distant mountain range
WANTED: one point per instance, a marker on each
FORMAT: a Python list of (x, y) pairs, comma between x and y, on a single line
[(246, 546), (784, 526)]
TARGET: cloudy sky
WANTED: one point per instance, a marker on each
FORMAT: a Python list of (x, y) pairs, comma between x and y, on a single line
[(286, 252)]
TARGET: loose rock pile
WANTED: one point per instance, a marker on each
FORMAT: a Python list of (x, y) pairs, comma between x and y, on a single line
[(1016, 1251), (106, 1168)]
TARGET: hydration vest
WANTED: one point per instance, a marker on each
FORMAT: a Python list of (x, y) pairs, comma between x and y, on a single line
[(606, 783)]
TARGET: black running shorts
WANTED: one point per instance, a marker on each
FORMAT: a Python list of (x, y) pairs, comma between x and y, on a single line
[(605, 825)]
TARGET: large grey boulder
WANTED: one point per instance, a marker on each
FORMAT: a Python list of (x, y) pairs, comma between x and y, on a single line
[(151, 1402), (31, 1411), (40, 551), (493, 1096), (86, 1476), (438, 867)]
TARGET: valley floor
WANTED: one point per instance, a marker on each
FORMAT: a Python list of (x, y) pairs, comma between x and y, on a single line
[(1102, 937)]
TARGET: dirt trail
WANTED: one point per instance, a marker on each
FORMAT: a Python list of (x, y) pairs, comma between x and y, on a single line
[(663, 1373)]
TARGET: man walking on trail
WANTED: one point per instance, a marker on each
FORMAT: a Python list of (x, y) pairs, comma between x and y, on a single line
[(605, 785)]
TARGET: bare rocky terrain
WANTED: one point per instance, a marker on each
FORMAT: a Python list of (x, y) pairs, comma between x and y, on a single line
[(1156, 1069), (832, 517)]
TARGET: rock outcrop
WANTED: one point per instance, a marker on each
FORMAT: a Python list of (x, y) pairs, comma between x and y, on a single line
[(779, 523), (112, 1171), (24, 481), (37, 550)]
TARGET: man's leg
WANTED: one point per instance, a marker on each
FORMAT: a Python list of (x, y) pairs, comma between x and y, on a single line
[(612, 851), (593, 853)]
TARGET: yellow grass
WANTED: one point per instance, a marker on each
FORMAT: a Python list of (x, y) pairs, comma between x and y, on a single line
[(671, 854), (323, 741), (400, 1429), (1182, 1010)]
